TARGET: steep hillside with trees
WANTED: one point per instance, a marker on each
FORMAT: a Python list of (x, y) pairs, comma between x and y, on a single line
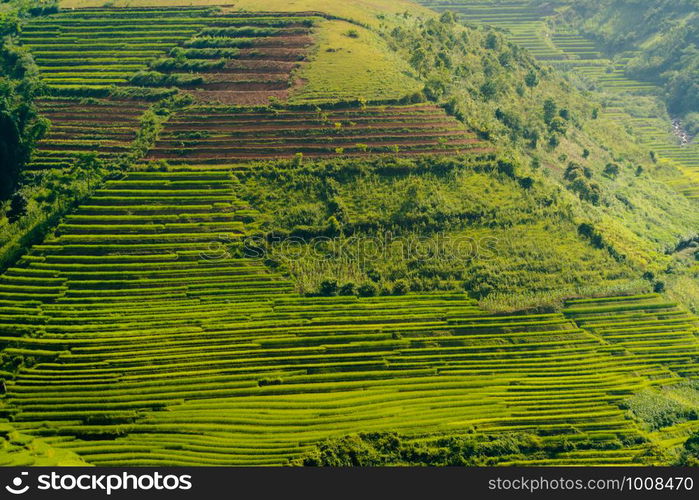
[(664, 38)]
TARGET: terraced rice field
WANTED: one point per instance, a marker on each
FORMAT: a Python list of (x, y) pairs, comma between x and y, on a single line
[(525, 22), (657, 135), (106, 127), (238, 58), (649, 328), (219, 135), (141, 336), (97, 48), (147, 342)]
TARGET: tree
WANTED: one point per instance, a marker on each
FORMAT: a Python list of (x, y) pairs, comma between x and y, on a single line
[(447, 18), (86, 167), (489, 90), (328, 287), (401, 287), (550, 109), (18, 207), (531, 79), (21, 127), (558, 126), (347, 289), (367, 290), (419, 59), (611, 170), (491, 41), (690, 454)]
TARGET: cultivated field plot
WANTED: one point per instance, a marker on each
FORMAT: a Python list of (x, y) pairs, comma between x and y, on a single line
[(657, 135), (106, 127), (239, 58), (220, 135), (144, 340), (97, 48), (648, 327), (524, 21)]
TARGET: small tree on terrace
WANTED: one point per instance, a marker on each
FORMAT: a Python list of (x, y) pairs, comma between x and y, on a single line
[(87, 167), (550, 109), (531, 80), (491, 41), (447, 18)]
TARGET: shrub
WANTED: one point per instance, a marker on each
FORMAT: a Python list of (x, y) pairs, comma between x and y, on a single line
[(401, 287), (611, 170), (328, 287), (489, 90), (18, 207), (491, 41), (531, 80), (550, 109), (367, 290)]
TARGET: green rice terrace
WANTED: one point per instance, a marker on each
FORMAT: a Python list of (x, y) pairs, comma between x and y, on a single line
[(139, 341), (146, 320)]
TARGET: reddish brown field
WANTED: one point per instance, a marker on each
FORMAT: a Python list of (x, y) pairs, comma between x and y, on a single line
[(220, 135), (104, 126)]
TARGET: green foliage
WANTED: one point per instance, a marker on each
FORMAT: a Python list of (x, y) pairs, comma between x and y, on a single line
[(664, 32), (426, 224), (531, 79), (18, 207), (550, 110), (691, 124), (612, 170), (580, 183), (20, 125), (157, 79), (658, 409), (185, 64), (690, 452), (392, 449)]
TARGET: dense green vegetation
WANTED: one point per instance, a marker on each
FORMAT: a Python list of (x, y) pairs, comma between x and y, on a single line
[(20, 125), (429, 224), (556, 34), (390, 449), (663, 35)]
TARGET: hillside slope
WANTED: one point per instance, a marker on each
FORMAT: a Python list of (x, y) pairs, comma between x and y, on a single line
[(663, 37)]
